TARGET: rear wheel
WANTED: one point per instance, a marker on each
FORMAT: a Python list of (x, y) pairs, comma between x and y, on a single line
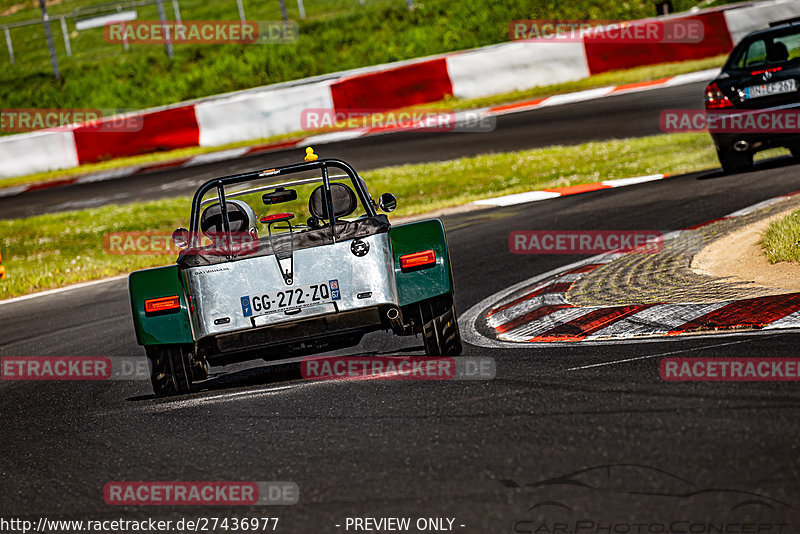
[(171, 369), (199, 370), (439, 327), (733, 162)]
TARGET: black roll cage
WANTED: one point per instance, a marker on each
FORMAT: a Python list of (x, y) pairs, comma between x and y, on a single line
[(323, 165)]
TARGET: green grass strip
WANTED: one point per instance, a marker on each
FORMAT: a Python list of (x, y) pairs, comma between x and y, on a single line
[(781, 240), (58, 249)]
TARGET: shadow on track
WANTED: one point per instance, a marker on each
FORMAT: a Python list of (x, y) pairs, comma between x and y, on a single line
[(270, 374), (763, 165)]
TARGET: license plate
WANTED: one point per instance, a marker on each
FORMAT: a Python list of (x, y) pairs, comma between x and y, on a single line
[(783, 86), (290, 298)]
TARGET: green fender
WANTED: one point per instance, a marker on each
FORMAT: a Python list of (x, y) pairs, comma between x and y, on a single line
[(426, 283), (164, 328)]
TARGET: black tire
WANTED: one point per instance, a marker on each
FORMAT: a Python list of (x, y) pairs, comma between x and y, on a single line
[(733, 162), (439, 328), (199, 370), (795, 150), (170, 369)]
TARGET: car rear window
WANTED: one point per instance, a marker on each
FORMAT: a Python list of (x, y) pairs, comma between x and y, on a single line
[(768, 50)]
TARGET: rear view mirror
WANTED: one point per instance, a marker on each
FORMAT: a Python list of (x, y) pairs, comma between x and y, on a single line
[(387, 202), (279, 196), (181, 237)]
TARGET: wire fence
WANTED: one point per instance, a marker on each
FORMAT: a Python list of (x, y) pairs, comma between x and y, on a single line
[(78, 29)]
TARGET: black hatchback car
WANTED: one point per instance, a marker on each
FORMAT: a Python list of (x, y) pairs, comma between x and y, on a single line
[(760, 78)]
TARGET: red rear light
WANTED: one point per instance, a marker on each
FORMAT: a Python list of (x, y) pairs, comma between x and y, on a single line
[(417, 260), (277, 217), (162, 304), (715, 98), (773, 69)]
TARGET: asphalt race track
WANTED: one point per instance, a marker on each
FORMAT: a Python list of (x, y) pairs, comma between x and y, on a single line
[(625, 115), (483, 453)]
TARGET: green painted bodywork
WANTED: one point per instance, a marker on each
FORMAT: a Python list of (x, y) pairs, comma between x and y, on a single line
[(165, 328), (426, 283)]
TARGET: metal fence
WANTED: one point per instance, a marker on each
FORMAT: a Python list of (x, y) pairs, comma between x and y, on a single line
[(77, 29)]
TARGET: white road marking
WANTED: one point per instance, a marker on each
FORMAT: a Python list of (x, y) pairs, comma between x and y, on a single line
[(11, 191), (692, 77), (63, 289), (534, 196), (334, 137), (580, 96), (518, 198), (622, 182), (108, 175), (650, 356), (222, 397), (754, 207), (211, 157)]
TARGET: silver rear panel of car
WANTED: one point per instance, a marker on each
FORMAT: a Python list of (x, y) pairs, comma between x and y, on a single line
[(217, 290)]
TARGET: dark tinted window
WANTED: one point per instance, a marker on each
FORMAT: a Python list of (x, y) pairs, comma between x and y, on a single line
[(772, 49)]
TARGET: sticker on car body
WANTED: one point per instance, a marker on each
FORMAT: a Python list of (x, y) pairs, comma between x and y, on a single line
[(335, 295)]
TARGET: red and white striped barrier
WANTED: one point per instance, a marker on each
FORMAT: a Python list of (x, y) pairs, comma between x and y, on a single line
[(276, 110), (322, 139)]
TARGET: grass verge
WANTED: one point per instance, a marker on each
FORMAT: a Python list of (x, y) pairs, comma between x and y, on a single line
[(341, 35), (781, 240), (639, 74), (59, 249)]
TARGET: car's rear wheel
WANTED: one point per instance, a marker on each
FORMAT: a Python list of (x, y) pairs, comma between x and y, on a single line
[(199, 369), (439, 327), (171, 369), (733, 162)]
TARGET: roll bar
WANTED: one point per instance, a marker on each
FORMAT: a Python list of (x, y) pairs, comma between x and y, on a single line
[(322, 165)]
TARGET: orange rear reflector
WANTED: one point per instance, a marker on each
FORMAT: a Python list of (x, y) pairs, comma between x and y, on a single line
[(417, 260), (162, 304)]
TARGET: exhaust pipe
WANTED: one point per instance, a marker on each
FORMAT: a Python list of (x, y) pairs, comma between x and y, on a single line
[(741, 145), (393, 314)]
